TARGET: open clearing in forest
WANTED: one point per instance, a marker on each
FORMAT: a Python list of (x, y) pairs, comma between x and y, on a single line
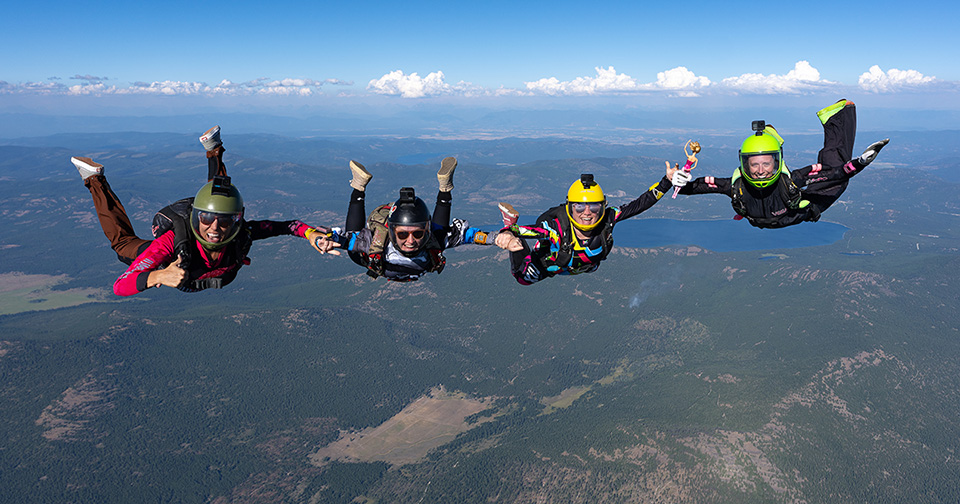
[(430, 421), (20, 292)]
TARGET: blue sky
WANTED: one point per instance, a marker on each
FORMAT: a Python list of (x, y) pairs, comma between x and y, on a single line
[(325, 54)]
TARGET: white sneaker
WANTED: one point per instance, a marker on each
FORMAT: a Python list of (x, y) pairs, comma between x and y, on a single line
[(510, 216), (211, 138), (87, 167)]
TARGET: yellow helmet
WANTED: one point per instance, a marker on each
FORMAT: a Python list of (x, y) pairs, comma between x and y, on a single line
[(582, 193)]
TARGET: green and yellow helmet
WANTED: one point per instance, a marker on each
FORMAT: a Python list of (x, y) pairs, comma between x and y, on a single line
[(766, 142), (217, 200), (582, 192)]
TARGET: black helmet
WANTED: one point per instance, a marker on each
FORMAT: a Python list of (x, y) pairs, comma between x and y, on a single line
[(409, 210), (217, 199)]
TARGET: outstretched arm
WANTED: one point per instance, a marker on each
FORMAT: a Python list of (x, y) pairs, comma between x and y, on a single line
[(707, 185), (318, 236), (645, 200)]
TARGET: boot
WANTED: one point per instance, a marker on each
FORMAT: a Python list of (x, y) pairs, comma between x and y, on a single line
[(361, 177), (445, 175)]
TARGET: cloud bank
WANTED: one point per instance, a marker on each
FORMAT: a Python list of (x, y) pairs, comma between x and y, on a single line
[(679, 82), (94, 86)]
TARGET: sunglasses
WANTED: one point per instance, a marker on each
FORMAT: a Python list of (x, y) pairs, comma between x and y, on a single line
[(580, 207), (208, 218), (418, 234)]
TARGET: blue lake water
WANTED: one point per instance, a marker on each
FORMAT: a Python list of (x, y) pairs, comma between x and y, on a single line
[(724, 235)]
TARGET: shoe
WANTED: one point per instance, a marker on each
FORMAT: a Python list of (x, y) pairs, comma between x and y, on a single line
[(829, 111), (445, 175), (211, 138), (361, 177), (510, 216), (871, 153), (87, 167)]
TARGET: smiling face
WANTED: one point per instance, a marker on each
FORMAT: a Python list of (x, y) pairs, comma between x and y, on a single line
[(761, 167), (586, 214), (214, 229), (409, 239)]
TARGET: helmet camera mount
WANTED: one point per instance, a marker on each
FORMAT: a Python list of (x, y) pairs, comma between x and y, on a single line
[(221, 185), (407, 195), (586, 180), (758, 126)]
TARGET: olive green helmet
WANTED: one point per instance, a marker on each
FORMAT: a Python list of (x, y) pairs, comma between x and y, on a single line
[(766, 142), (217, 201)]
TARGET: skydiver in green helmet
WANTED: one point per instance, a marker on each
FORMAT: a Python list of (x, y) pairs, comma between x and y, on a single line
[(767, 194), (199, 243)]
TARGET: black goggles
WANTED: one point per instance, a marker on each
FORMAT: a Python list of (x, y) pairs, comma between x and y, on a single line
[(208, 218), (418, 234)]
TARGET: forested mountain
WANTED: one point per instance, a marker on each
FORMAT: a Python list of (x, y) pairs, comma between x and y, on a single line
[(672, 374)]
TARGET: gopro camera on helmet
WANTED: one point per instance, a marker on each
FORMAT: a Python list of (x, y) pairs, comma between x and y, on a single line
[(221, 186), (586, 179), (758, 126), (407, 195)]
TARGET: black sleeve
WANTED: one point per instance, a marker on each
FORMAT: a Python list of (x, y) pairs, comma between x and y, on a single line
[(644, 202), (708, 185), (819, 173)]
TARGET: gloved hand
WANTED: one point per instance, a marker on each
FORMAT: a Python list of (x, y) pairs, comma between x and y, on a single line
[(680, 178), (321, 242), (871, 153)]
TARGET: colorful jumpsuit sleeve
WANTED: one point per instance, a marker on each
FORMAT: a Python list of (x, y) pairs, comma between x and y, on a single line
[(157, 255)]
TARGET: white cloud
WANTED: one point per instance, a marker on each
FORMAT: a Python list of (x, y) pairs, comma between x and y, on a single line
[(877, 81), (606, 81), (410, 86), (680, 78), (803, 78)]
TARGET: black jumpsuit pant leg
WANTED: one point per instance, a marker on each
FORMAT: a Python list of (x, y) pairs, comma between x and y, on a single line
[(839, 134)]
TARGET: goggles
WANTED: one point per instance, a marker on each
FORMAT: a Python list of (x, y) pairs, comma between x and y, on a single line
[(208, 218), (418, 234), (580, 207)]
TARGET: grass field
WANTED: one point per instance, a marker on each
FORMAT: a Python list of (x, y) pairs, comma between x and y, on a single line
[(22, 293)]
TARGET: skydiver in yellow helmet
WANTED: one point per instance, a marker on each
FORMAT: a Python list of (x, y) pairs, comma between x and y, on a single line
[(768, 195), (574, 237)]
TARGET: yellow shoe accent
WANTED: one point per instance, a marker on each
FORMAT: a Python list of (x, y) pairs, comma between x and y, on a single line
[(827, 112)]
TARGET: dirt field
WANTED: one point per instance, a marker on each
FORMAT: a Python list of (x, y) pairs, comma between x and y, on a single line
[(430, 421)]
